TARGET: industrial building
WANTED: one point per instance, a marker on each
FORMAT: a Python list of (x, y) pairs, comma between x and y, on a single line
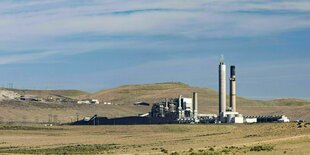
[(182, 110), (185, 110), (230, 114), (90, 101)]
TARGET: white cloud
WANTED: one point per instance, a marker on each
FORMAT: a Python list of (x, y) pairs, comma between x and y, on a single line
[(213, 16), (30, 24), (27, 57)]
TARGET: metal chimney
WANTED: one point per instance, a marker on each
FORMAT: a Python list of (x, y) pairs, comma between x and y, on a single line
[(195, 105), (233, 88), (180, 107)]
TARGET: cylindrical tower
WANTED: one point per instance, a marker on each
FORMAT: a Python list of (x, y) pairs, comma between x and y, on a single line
[(180, 107), (166, 105), (233, 88), (222, 87), (195, 105)]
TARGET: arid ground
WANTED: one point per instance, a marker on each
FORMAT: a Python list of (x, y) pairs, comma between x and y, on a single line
[(286, 138)]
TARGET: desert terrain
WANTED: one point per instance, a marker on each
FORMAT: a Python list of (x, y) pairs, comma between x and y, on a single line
[(272, 138)]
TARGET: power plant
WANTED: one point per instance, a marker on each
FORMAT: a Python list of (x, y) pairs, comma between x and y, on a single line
[(229, 115), (185, 110)]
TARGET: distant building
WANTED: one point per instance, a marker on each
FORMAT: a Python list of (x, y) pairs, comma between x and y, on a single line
[(269, 118), (250, 120), (231, 117), (89, 101), (83, 102), (94, 101)]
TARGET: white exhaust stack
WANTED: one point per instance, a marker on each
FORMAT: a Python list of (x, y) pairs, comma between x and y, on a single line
[(222, 86)]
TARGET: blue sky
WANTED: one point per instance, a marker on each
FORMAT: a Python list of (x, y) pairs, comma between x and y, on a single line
[(98, 44)]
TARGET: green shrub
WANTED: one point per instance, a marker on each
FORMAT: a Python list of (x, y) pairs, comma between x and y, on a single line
[(74, 149), (262, 148), (174, 153), (163, 150)]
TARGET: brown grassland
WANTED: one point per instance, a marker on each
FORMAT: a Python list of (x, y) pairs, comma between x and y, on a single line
[(275, 138), (124, 97)]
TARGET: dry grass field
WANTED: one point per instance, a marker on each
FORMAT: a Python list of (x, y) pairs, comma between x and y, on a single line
[(157, 139)]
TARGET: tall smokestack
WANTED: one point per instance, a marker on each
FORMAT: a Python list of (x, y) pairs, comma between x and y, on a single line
[(222, 86), (180, 107), (166, 104), (233, 88), (195, 105)]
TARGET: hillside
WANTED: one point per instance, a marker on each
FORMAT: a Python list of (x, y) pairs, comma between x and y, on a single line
[(208, 99), (155, 93), (43, 93), (124, 97), (158, 92)]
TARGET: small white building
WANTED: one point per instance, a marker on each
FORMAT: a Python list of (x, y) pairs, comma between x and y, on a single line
[(250, 120), (284, 119), (87, 118), (231, 117), (188, 104), (238, 120), (92, 101), (95, 101), (83, 102), (107, 103)]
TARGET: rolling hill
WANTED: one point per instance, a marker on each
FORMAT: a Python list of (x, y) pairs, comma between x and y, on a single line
[(152, 93), (65, 93), (124, 97)]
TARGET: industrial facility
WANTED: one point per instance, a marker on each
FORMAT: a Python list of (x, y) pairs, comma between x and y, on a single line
[(184, 110)]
